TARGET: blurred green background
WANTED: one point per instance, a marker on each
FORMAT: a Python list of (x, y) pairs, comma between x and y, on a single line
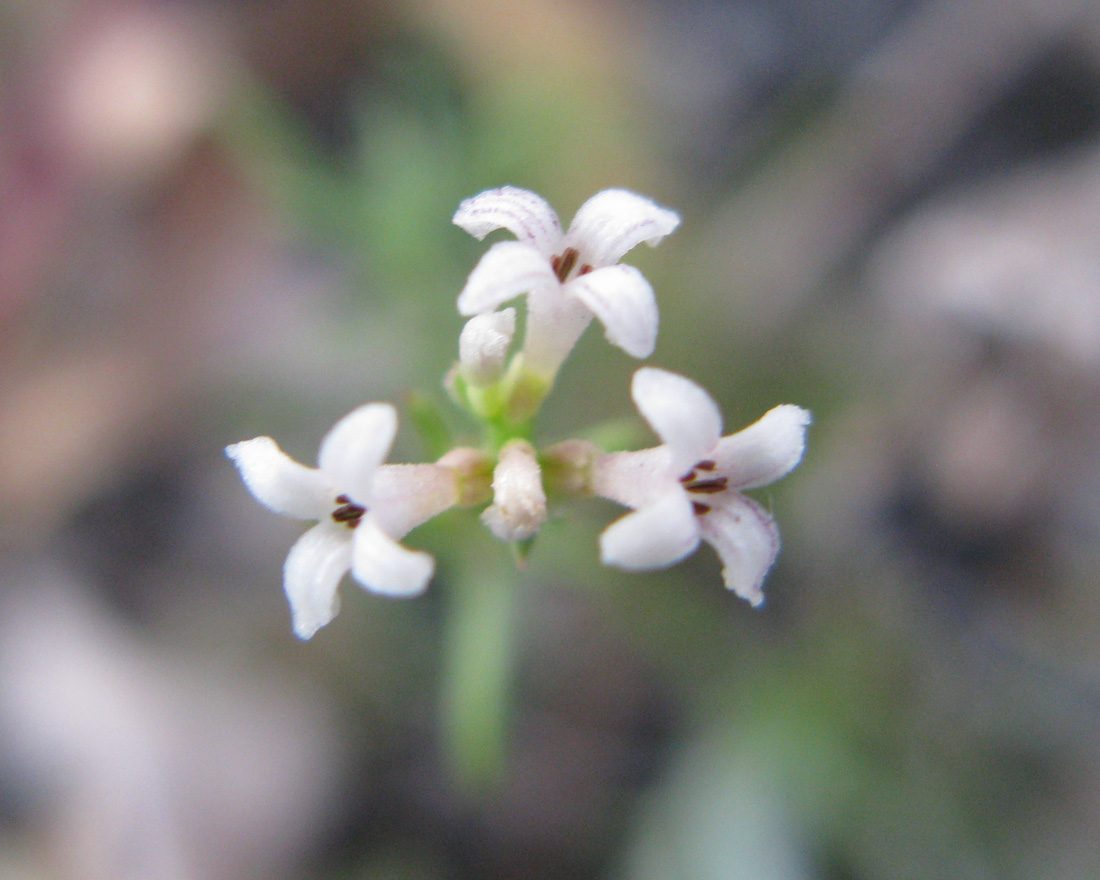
[(225, 219)]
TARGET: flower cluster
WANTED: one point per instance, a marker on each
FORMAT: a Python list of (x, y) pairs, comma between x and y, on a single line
[(687, 489)]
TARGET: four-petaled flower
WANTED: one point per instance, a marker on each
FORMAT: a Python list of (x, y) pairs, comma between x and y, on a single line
[(568, 277), (363, 509), (689, 488)]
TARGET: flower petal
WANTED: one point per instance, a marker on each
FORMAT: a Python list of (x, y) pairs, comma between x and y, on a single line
[(356, 446), (683, 414), (311, 574), (382, 565), (523, 213), (554, 324), (766, 450), (634, 479), (747, 540), (613, 221), (506, 270), (279, 482), (655, 536), (624, 302), (405, 495)]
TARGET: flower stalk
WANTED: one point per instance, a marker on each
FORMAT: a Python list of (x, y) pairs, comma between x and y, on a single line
[(479, 648)]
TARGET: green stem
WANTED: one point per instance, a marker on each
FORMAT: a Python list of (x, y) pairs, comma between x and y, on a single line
[(479, 653)]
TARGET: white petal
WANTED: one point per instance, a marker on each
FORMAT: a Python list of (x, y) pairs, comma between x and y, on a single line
[(766, 450), (312, 572), (382, 565), (747, 540), (519, 500), (554, 324), (483, 345), (281, 483), (405, 495), (523, 213), (634, 479), (356, 446), (506, 270), (615, 220), (655, 536), (624, 302), (683, 414)]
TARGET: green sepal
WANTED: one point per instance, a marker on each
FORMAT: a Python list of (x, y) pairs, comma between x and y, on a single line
[(521, 550)]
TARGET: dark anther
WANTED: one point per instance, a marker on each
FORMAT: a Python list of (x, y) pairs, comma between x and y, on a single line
[(708, 487), (705, 465), (699, 508), (348, 513), (585, 269), (564, 264)]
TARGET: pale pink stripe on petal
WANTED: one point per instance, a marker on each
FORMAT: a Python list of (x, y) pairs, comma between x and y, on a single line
[(615, 220), (747, 541), (525, 214)]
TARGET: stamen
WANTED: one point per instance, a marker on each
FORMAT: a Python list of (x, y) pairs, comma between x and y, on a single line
[(585, 269), (699, 508), (348, 513), (705, 465), (708, 487), (564, 264)]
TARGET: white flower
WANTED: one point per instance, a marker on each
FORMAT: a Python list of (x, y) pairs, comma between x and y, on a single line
[(519, 501), (689, 488), (568, 277), (364, 508)]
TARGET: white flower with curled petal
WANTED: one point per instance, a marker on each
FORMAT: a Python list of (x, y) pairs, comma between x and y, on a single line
[(689, 488), (568, 277), (363, 508)]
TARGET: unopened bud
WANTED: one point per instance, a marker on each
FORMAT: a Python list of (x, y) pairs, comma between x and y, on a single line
[(483, 346), (519, 501)]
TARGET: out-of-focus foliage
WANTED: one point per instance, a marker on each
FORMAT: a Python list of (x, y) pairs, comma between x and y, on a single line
[(224, 220)]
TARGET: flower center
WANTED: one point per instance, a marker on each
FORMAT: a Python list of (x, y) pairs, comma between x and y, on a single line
[(703, 485), (563, 264), (348, 513)]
